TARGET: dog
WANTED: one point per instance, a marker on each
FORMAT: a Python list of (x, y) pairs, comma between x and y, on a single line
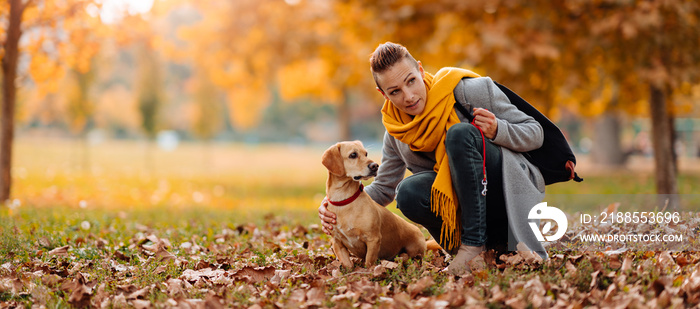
[(363, 227)]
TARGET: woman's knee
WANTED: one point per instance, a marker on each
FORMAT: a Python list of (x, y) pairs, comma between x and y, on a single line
[(413, 193), (409, 194), (461, 133)]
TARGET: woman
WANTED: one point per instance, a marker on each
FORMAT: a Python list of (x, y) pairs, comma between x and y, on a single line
[(457, 187)]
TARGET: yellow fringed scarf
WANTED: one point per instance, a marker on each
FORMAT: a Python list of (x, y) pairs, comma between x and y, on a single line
[(426, 132)]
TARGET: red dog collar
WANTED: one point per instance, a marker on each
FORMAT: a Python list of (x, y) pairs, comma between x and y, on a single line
[(349, 199)]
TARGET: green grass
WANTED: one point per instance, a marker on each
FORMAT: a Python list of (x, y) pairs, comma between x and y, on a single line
[(241, 206)]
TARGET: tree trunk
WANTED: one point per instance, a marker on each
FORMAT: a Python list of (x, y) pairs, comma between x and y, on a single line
[(607, 149), (9, 91), (344, 117), (662, 131)]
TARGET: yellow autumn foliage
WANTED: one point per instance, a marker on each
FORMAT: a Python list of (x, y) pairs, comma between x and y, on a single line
[(307, 78), (46, 72), (246, 104)]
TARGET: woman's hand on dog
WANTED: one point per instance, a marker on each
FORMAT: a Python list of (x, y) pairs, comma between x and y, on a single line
[(326, 216)]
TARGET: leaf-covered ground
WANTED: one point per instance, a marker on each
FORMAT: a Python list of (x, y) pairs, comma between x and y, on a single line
[(91, 258)]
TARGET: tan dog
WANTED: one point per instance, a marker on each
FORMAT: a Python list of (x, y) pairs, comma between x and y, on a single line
[(363, 227)]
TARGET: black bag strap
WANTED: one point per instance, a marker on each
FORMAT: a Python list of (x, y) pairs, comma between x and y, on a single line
[(463, 110), (461, 101)]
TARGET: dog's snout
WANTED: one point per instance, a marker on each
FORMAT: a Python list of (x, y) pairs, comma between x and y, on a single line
[(373, 166)]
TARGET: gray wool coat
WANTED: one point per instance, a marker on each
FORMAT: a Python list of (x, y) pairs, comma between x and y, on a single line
[(523, 184)]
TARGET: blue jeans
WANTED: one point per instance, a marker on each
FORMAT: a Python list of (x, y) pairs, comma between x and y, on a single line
[(483, 217)]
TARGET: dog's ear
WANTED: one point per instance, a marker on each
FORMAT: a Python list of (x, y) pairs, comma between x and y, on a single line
[(333, 161)]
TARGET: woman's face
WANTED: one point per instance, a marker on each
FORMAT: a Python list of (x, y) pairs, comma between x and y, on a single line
[(402, 84)]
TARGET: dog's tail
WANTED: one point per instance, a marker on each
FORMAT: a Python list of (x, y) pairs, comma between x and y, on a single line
[(432, 245)]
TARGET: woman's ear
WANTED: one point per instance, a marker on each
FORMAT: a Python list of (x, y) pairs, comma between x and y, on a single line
[(420, 68)]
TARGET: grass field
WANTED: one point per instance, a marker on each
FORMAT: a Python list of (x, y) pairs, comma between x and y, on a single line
[(131, 225)]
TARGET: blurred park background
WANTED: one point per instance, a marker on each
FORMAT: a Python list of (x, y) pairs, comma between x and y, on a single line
[(178, 104)]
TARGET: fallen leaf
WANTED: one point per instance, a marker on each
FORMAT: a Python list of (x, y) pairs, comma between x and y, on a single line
[(516, 302), (682, 261), (692, 283), (315, 297), (420, 286), (141, 304), (378, 271), (614, 262), (280, 274), (139, 294), (594, 279), (627, 263), (528, 255), (256, 274), (612, 207), (60, 251), (666, 260), (80, 297), (389, 264), (497, 295), (570, 268), (214, 301), (453, 298)]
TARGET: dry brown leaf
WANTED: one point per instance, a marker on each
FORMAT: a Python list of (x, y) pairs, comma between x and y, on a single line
[(419, 286), (121, 256), (610, 292), (614, 262), (378, 271), (50, 280), (298, 295), (13, 285), (570, 268), (627, 263), (176, 287), (666, 260), (528, 255), (60, 251), (516, 302), (280, 274), (497, 295), (164, 255), (389, 264), (256, 274), (692, 283), (80, 297), (141, 304), (139, 294), (453, 298), (349, 296), (534, 286), (612, 207), (214, 301), (511, 260), (682, 261), (315, 297), (594, 279)]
